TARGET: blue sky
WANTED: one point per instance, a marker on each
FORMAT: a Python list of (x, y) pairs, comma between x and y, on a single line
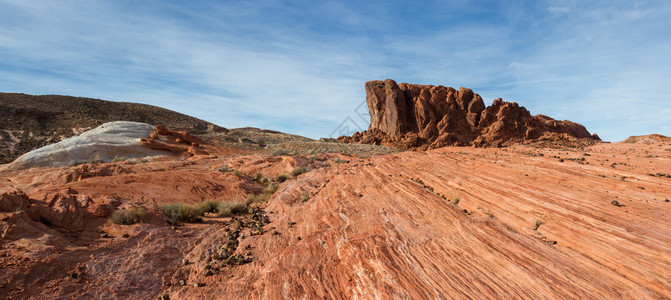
[(300, 66)]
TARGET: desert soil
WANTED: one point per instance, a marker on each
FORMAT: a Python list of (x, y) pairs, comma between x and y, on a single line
[(517, 222)]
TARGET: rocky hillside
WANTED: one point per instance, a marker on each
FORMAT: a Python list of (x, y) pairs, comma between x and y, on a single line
[(28, 122), (415, 116), (647, 139), (451, 223)]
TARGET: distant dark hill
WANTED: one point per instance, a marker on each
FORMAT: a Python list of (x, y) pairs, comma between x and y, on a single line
[(28, 122)]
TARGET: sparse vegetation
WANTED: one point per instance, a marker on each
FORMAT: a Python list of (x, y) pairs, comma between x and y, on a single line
[(305, 197), (455, 200), (206, 206), (229, 208), (79, 162), (179, 212), (268, 191), (298, 170), (224, 169), (279, 152), (538, 224), (129, 216), (259, 177), (281, 178), (238, 173), (119, 158)]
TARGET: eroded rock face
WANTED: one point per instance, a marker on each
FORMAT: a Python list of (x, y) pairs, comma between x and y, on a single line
[(415, 116)]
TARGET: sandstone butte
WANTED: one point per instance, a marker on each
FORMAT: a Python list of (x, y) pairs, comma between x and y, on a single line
[(520, 222), (413, 116)]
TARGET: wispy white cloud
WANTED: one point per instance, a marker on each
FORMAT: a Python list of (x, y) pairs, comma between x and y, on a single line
[(301, 68)]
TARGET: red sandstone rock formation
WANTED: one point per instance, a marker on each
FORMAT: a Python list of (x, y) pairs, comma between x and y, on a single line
[(424, 116), (386, 227), (175, 141)]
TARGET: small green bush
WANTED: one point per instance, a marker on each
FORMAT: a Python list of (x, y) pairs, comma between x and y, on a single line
[(267, 192), (178, 212), (229, 208), (298, 170), (260, 178), (281, 177), (206, 206), (128, 217), (77, 163), (279, 152), (119, 158), (305, 197), (238, 173), (224, 169)]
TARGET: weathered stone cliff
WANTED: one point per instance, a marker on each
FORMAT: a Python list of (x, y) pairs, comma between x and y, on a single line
[(415, 116)]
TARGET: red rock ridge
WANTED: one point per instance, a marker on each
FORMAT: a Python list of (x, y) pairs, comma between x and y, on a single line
[(420, 117), (179, 142)]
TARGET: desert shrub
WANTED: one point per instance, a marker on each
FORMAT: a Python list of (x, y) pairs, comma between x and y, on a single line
[(259, 177), (229, 208), (225, 169), (455, 200), (279, 152), (298, 170), (79, 162), (281, 177), (178, 212), (268, 191), (305, 197), (238, 173), (119, 158), (206, 206), (251, 198), (271, 188), (128, 217)]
